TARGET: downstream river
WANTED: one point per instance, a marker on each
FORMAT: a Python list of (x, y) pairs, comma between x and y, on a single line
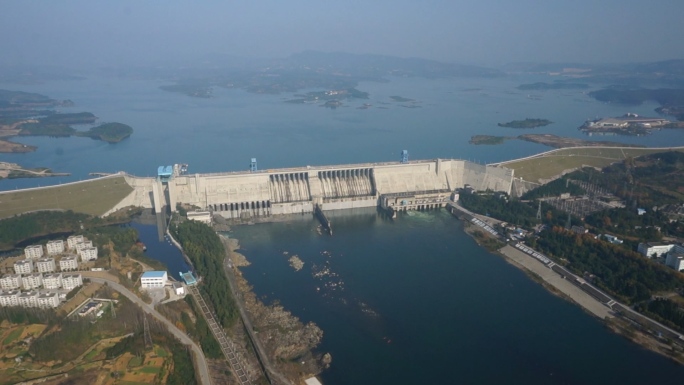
[(409, 301)]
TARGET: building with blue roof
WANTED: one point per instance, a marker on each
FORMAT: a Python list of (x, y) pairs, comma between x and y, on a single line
[(164, 173), (153, 279)]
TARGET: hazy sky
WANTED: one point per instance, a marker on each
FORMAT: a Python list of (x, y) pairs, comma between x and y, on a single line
[(488, 32)]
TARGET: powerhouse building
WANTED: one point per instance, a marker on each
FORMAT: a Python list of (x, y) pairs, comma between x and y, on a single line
[(153, 279)]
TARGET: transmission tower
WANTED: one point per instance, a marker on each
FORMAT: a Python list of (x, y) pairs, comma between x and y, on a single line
[(146, 328)]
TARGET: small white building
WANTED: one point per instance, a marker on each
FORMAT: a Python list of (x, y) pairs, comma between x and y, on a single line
[(73, 240), (651, 248), (178, 288), (153, 279), (45, 265), (25, 266), (33, 251), (10, 282), (55, 247), (32, 281), (28, 299), (71, 281), (200, 216), (52, 281), (70, 262), (9, 298), (48, 300), (88, 254)]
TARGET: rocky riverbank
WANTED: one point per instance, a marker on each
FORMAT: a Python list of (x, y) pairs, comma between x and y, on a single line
[(289, 343)]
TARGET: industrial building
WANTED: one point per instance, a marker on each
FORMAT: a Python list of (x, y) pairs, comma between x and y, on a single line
[(45, 265), (71, 281), (32, 281), (25, 266), (73, 240), (153, 279), (69, 262), (52, 281), (88, 253), (55, 247), (33, 251), (10, 282)]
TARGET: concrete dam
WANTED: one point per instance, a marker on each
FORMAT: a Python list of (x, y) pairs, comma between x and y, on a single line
[(393, 186)]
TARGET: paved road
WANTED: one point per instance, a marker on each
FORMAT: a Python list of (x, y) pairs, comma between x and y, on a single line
[(201, 362)]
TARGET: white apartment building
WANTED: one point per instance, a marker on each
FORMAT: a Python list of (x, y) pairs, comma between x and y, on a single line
[(52, 281), (33, 251), (28, 299), (9, 298), (73, 240), (32, 281), (83, 245), (71, 281), (48, 300), (10, 282), (25, 266), (45, 265), (153, 279), (68, 263), (55, 247), (88, 254)]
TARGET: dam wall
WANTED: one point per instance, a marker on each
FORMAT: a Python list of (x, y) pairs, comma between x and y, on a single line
[(246, 194)]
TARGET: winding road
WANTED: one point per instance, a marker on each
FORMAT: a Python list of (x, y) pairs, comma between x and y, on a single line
[(200, 361)]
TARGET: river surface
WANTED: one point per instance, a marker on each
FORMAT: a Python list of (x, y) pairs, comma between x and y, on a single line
[(417, 301), (409, 301)]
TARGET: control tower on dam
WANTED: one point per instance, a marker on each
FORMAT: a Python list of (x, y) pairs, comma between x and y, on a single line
[(395, 186)]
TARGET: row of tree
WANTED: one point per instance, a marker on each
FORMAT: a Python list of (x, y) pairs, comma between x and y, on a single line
[(621, 272), (206, 252)]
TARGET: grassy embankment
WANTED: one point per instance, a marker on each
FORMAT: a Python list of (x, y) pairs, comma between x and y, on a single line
[(551, 164), (91, 197)]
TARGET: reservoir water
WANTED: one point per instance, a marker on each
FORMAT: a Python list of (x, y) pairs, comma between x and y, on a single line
[(410, 301)]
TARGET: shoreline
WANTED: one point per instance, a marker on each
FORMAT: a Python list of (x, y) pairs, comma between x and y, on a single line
[(560, 287)]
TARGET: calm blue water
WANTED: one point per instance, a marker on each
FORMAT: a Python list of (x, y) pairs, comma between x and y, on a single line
[(223, 133), (412, 301), (416, 301), (163, 251)]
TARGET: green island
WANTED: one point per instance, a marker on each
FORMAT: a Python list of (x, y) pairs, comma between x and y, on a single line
[(527, 123), (196, 90), (400, 99), (488, 139), (24, 114), (332, 98), (543, 86)]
